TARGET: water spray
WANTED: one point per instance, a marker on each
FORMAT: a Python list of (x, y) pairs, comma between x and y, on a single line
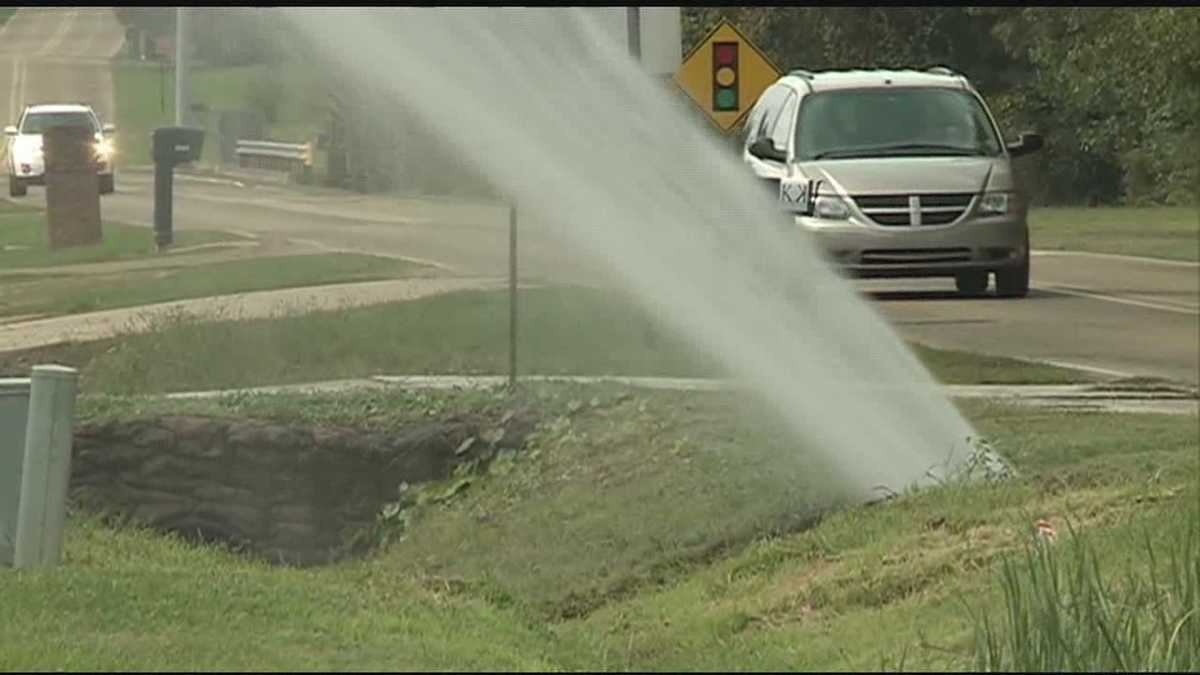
[(603, 161)]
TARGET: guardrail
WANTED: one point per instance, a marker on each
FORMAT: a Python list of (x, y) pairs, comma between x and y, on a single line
[(290, 157)]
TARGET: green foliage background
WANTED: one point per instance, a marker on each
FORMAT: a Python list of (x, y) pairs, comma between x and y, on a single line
[(1115, 90)]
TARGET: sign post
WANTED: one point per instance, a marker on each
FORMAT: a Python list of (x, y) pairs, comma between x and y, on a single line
[(633, 19), (724, 75), (512, 297)]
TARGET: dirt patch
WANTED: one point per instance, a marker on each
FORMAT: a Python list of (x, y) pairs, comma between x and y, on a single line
[(20, 362), (297, 495)]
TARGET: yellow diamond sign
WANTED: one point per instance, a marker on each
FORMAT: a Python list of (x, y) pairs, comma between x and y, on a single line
[(725, 75)]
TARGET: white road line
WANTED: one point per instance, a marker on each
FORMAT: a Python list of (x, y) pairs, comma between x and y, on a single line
[(7, 27), (335, 249), (1115, 256), (23, 92), (1133, 297), (1124, 301), (15, 91), (83, 45), (1170, 303), (63, 27), (1075, 366)]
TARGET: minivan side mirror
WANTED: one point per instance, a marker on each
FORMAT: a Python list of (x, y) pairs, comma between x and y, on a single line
[(10, 131), (108, 128), (1029, 143), (764, 148)]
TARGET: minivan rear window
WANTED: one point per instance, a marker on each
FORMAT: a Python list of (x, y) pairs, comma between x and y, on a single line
[(893, 122)]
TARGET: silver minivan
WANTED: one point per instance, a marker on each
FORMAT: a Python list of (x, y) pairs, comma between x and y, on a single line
[(899, 173)]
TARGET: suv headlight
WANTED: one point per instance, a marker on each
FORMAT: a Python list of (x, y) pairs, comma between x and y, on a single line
[(831, 208), (104, 149), (994, 204), (27, 152)]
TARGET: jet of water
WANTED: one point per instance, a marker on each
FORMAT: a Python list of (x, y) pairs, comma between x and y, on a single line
[(561, 120)]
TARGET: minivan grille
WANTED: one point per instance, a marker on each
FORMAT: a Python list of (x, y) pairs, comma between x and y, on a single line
[(903, 256), (897, 211)]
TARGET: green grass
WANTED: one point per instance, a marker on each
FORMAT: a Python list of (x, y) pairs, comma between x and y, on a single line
[(146, 100), (615, 506), (10, 207), (563, 331), (75, 294), (1062, 614), (6, 13), (24, 243), (872, 588), (1158, 232)]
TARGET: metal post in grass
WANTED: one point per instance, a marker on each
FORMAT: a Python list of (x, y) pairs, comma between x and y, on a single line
[(14, 415), (512, 296), (46, 471)]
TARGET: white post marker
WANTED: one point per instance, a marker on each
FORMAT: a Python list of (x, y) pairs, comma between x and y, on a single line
[(46, 473)]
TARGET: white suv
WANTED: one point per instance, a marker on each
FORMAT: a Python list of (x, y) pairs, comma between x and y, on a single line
[(24, 152)]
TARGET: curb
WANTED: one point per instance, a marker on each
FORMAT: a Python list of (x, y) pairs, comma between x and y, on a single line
[(1080, 397)]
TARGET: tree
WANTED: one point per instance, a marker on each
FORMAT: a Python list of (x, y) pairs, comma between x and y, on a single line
[(239, 36)]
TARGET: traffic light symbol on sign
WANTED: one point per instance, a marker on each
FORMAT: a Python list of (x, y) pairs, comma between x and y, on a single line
[(725, 76)]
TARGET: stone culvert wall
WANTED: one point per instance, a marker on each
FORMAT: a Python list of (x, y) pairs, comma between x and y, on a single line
[(290, 494)]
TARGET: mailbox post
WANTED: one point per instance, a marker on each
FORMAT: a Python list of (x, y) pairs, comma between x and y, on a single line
[(172, 146)]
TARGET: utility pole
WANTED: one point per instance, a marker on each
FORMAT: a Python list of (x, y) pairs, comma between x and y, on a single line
[(182, 84), (633, 27), (512, 297)]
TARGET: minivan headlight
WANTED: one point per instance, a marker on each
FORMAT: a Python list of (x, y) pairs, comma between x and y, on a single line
[(831, 208), (994, 204), (104, 149)]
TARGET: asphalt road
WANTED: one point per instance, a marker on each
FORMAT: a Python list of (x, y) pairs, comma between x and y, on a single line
[(58, 55), (1125, 316)]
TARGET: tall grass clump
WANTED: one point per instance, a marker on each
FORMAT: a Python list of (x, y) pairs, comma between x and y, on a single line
[(1061, 613)]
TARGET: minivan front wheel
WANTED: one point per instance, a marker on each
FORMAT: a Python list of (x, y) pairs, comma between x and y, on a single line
[(16, 186), (1013, 282), (971, 283)]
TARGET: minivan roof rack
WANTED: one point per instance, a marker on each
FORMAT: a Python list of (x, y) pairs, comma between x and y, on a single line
[(805, 75), (943, 70)]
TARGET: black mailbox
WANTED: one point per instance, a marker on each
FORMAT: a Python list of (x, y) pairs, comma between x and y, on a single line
[(172, 146), (176, 145)]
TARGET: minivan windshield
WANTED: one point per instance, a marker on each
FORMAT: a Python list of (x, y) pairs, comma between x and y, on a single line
[(38, 123), (897, 122)]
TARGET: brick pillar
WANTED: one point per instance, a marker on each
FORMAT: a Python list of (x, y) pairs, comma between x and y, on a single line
[(72, 187)]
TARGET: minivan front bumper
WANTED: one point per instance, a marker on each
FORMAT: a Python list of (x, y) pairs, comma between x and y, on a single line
[(986, 244)]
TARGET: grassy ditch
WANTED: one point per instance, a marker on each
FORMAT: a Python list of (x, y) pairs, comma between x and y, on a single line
[(649, 531)]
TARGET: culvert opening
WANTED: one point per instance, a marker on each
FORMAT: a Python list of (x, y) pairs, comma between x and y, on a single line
[(289, 494)]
